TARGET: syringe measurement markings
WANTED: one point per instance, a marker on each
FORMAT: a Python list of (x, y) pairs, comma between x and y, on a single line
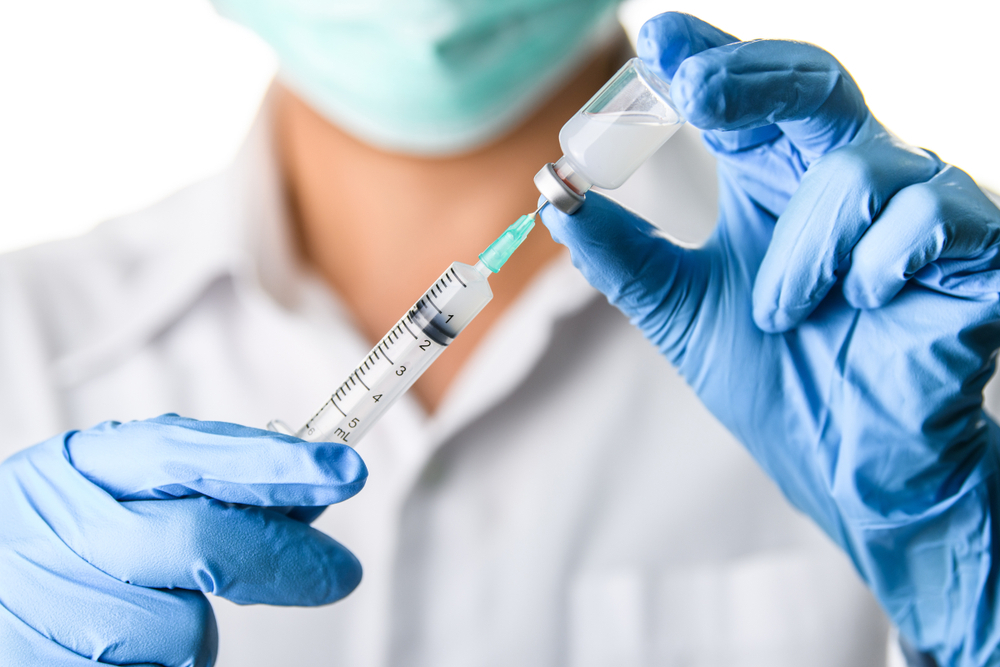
[(384, 345), (373, 362), (318, 413), (344, 389), (385, 353), (361, 381), (333, 402), (430, 301), (408, 328)]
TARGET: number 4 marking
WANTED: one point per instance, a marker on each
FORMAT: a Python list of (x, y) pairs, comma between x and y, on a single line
[(376, 397)]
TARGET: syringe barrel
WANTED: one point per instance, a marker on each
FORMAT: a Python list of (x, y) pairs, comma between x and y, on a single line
[(604, 142), (401, 357)]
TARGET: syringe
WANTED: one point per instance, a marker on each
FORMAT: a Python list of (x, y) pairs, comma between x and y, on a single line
[(410, 347)]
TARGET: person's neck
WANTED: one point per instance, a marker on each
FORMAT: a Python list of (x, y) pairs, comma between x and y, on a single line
[(380, 227)]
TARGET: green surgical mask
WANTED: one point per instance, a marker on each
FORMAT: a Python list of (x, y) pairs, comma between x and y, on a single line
[(429, 77)]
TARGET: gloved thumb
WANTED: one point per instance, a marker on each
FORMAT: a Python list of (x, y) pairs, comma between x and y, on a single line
[(743, 88), (656, 283), (667, 40)]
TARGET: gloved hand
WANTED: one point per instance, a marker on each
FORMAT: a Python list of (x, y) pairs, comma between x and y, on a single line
[(110, 537), (841, 321)]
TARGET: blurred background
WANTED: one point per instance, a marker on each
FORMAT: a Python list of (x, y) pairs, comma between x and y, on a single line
[(109, 105)]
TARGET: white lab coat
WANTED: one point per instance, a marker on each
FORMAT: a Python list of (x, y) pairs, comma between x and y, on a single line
[(571, 503)]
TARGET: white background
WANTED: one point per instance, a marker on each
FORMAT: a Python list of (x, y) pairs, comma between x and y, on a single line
[(107, 105)]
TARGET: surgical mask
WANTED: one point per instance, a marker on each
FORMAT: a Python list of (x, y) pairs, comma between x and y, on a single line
[(428, 77)]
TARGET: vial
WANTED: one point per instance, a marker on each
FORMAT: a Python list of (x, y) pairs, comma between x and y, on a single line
[(605, 142)]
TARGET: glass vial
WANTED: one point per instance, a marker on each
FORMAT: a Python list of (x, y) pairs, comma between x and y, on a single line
[(628, 119)]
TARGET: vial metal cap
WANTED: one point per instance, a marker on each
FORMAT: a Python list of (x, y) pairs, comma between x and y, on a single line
[(556, 191)]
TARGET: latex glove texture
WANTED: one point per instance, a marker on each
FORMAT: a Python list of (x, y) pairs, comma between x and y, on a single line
[(841, 321), (111, 537)]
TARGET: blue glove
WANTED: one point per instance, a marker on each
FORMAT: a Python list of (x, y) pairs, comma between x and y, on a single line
[(111, 536), (841, 321)]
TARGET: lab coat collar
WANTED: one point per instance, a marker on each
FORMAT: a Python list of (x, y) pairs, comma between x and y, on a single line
[(232, 226)]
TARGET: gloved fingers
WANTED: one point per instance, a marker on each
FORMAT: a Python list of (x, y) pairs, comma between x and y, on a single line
[(47, 510), (656, 283), (56, 606), (93, 574), (173, 457), (747, 85), (921, 229), (666, 40), (23, 645), (834, 205), (302, 514), (245, 554)]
